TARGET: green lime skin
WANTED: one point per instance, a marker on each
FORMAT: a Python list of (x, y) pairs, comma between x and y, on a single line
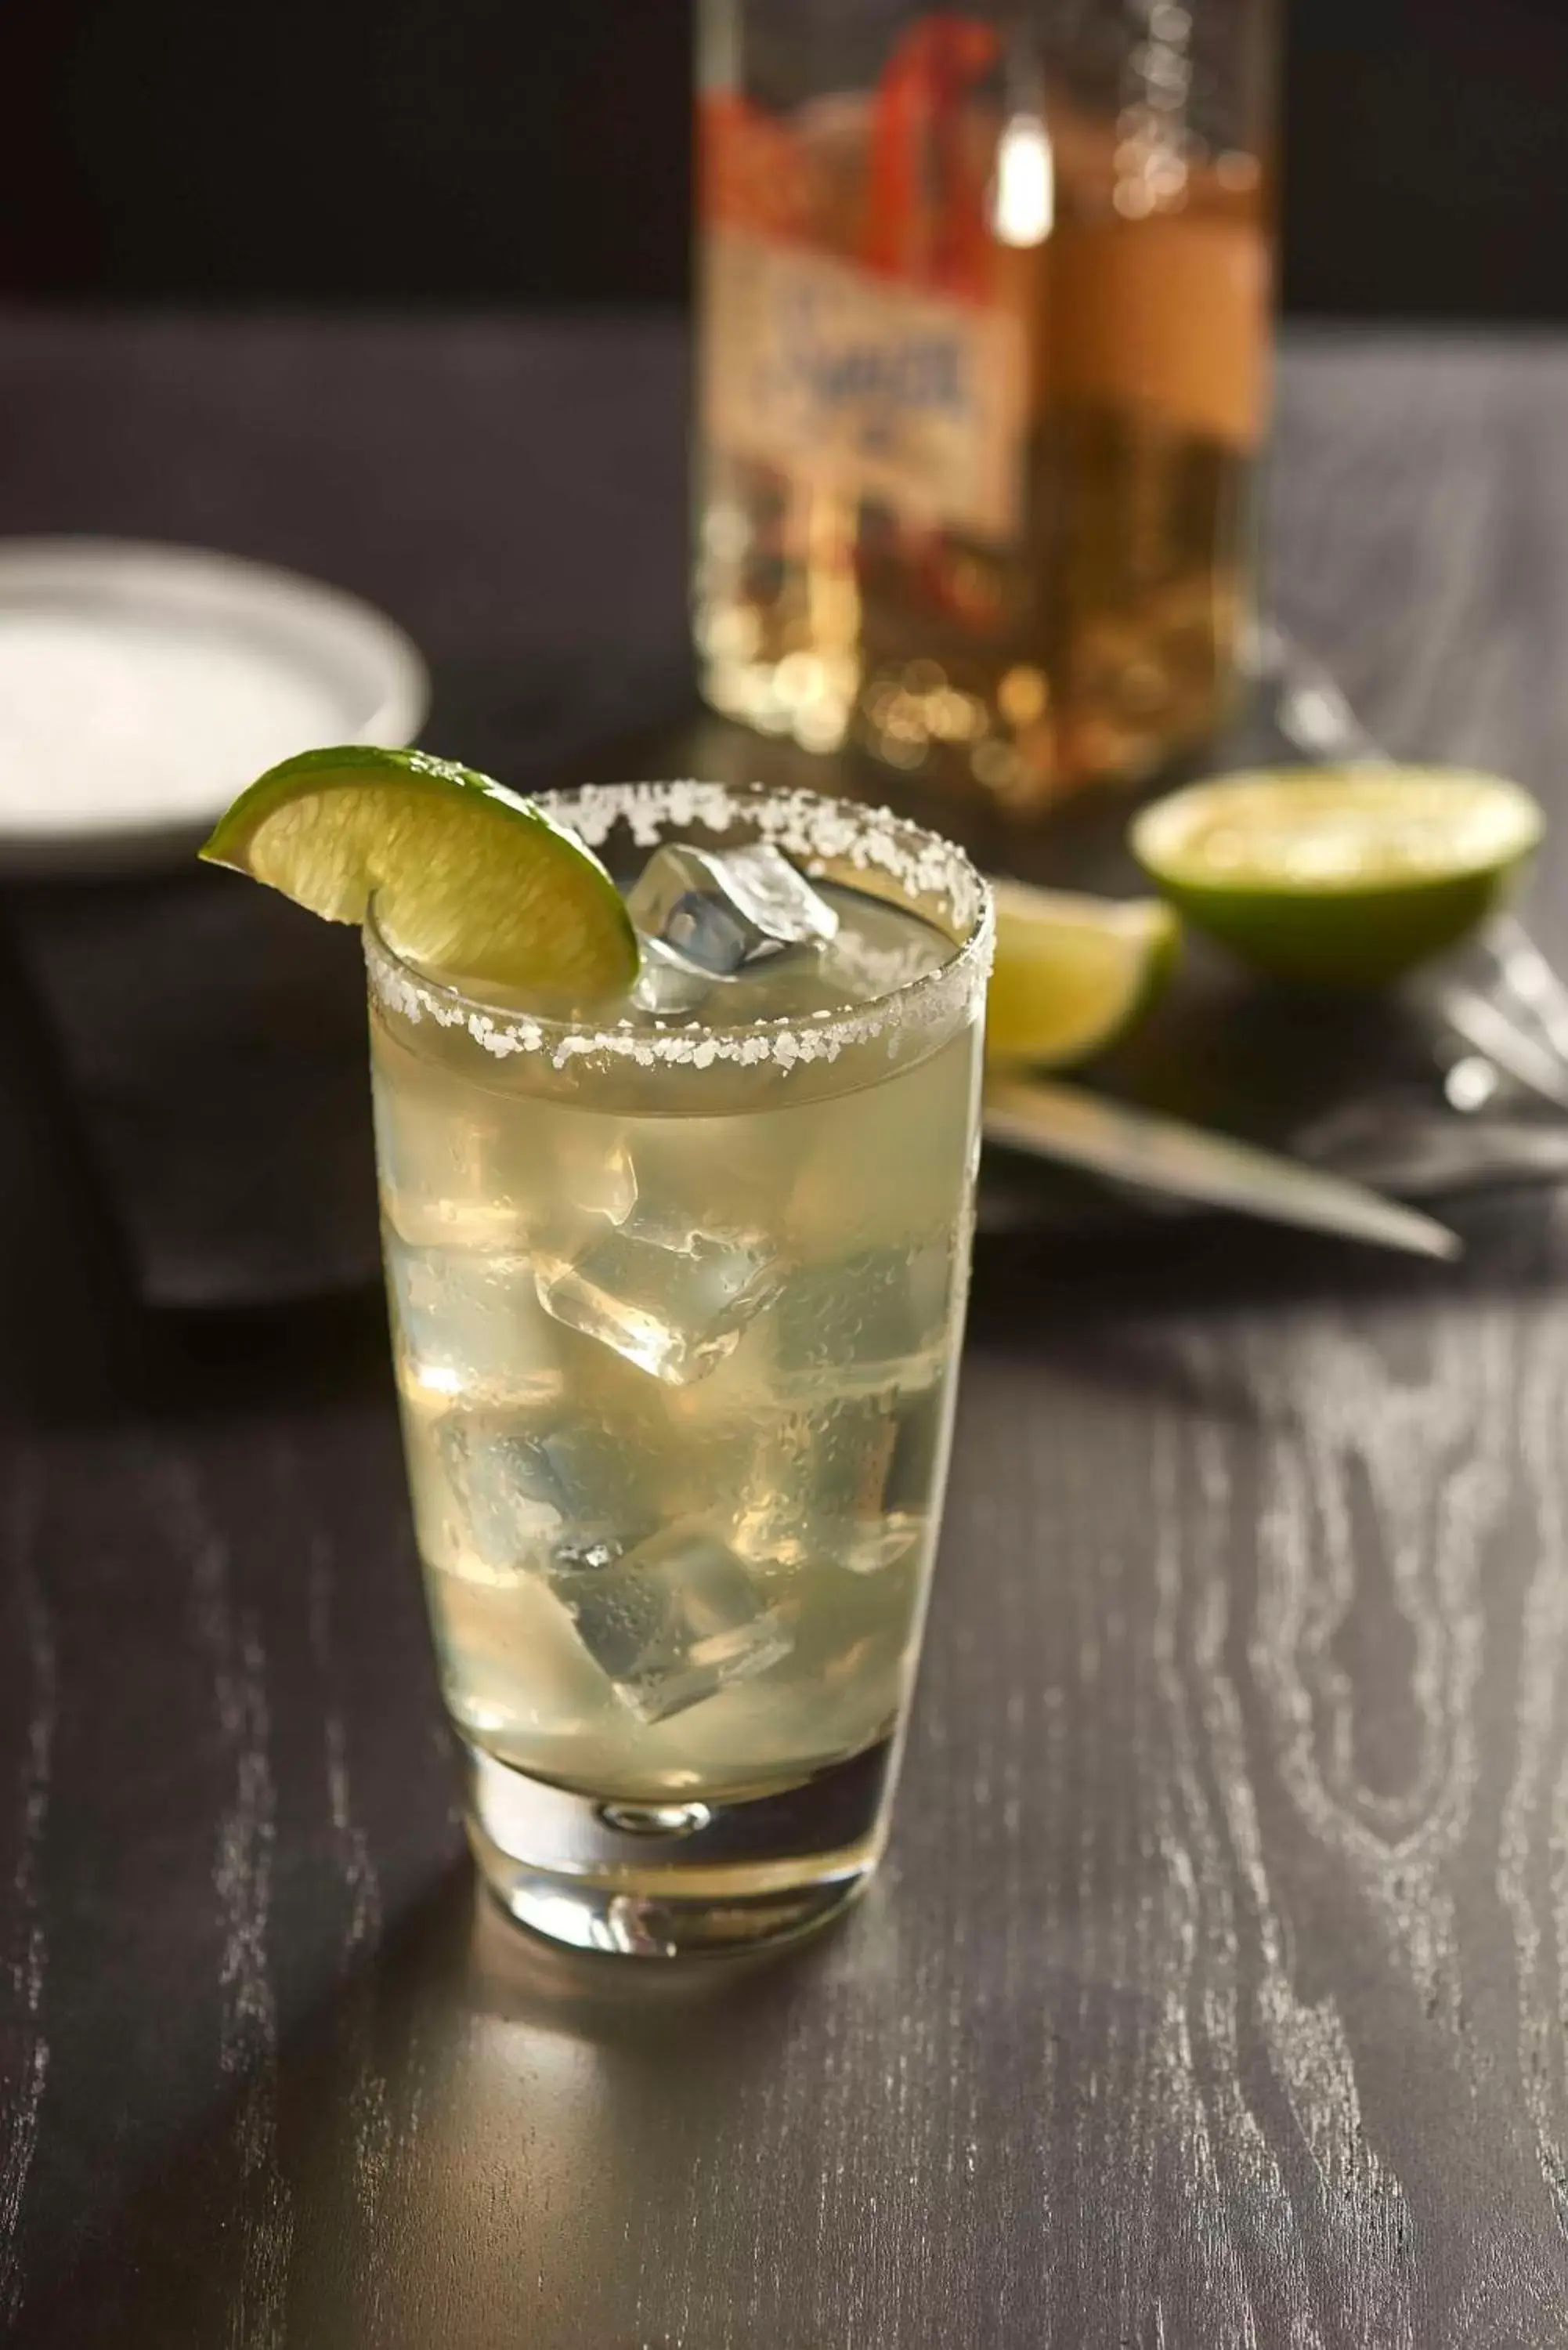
[(469, 880)]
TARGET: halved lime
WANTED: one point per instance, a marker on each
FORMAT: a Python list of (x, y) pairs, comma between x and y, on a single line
[(1344, 877), (470, 880), (1071, 972)]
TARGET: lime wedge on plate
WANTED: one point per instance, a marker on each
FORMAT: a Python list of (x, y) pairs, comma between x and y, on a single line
[(1071, 972), (1343, 877), (470, 880)]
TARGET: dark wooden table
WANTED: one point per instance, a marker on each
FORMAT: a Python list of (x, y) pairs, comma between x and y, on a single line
[(1214, 1992)]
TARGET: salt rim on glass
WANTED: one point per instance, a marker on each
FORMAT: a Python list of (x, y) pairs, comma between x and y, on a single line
[(818, 833)]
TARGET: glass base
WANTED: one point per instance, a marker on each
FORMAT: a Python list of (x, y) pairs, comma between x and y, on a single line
[(677, 1880)]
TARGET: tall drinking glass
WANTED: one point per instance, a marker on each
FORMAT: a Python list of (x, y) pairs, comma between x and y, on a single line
[(676, 1309)]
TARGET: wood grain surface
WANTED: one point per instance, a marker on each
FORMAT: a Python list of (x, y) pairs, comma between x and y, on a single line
[(1213, 1994)]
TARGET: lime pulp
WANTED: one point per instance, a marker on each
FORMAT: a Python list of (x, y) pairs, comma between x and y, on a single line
[(470, 880), (1071, 972), (1339, 877)]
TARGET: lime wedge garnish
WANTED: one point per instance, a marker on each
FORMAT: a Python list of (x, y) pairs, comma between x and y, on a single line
[(1070, 972), (469, 879), (1344, 877)]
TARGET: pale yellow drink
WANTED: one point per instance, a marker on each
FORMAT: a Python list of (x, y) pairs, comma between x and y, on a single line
[(676, 1307)]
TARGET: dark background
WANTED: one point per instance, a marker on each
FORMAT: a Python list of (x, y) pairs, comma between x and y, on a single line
[(506, 152)]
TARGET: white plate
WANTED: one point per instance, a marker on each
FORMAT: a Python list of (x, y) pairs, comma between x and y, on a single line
[(142, 686)]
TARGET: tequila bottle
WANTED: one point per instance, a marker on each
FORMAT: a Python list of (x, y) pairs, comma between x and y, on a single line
[(984, 303)]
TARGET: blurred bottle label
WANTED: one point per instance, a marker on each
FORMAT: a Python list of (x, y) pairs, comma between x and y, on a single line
[(984, 371), (894, 394)]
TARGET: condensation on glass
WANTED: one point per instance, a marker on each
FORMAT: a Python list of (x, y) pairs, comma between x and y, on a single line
[(676, 1307), (985, 299)]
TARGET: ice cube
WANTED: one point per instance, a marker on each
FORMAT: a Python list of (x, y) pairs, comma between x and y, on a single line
[(909, 1485), (467, 1322), (502, 1500), (671, 1301), (593, 1176), (452, 1174), (717, 912), (501, 1493), (607, 1504), (514, 1673), (487, 1179), (819, 1490), (668, 986), (672, 1622), (884, 1542), (872, 1320)]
